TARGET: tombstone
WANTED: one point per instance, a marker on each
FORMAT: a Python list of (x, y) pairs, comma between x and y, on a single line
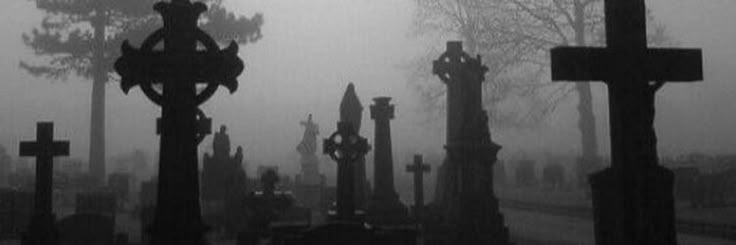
[(16, 209), (632, 200), (553, 175), (384, 207), (222, 174), (6, 166), (266, 207), (310, 184), (347, 148), (351, 110), (467, 195), (418, 168), (100, 202), (179, 69), (525, 174), (41, 230), (119, 184), (86, 229)]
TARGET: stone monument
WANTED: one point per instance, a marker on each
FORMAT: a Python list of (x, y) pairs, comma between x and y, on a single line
[(179, 69), (384, 207), (632, 200), (351, 110), (467, 196)]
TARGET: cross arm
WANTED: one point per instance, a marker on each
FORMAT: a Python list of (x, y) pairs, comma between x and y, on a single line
[(604, 64)]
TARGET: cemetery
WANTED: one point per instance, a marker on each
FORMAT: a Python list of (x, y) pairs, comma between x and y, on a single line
[(447, 162)]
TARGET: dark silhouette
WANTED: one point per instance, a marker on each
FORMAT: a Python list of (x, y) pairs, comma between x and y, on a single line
[(633, 201), (351, 110), (384, 207), (42, 228), (179, 68), (418, 168), (346, 147)]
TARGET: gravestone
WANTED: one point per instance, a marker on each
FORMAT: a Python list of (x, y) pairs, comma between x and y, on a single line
[(222, 174), (86, 229), (119, 184), (6, 166), (351, 110), (467, 193), (553, 175), (347, 148), (100, 202), (310, 184), (16, 209), (632, 200), (384, 207), (418, 168), (42, 229), (525, 173), (179, 69)]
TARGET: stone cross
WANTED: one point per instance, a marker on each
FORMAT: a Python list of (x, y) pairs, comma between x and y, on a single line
[(42, 228), (465, 179), (351, 110), (633, 202), (418, 168), (382, 112), (346, 147), (179, 69)]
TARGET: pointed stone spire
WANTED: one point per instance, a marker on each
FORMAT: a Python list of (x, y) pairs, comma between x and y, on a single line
[(352, 111)]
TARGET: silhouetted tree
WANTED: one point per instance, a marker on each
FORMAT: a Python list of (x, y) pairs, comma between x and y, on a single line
[(83, 37)]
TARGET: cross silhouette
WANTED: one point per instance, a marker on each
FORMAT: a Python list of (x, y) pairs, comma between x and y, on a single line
[(42, 229), (418, 168), (632, 200), (44, 149), (345, 147)]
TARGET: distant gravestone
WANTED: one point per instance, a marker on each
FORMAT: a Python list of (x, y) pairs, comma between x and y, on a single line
[(86, 229), (418, 169), (119, 184), (553, 175), (525, 173), (15, 212), (103, 203), (5, 166), (41, 229), (347, 148)]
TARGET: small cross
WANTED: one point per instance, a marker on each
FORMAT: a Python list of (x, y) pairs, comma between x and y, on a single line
[(418, 168), (44, 149)]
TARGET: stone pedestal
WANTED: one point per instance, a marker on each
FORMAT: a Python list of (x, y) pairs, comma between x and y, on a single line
[(634, 208), (384, 206)]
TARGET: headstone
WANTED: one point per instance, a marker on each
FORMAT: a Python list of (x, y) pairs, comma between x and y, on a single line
[(351, 110), (16, 209), (467, 194), (6, 166), (86, 229), (525, 173), (119, 183), (418, 168), (632, 200), (307, 148), (384, 207), (347, 148), (101, 202), (42, 229), (222, 174), (179, 68), (553, 175)]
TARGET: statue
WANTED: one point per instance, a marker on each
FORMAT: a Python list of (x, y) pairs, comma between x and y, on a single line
[(308, 146)]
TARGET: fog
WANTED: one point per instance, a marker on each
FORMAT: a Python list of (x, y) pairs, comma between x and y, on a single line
[(312, 49)]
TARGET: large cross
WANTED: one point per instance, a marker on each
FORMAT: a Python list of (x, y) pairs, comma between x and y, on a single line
[(42, 228), (346, 147), (418, 168), (632, 199), (44, 149), (179, 78)]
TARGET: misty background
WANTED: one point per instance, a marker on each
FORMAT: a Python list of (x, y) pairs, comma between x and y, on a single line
[(311, 50)]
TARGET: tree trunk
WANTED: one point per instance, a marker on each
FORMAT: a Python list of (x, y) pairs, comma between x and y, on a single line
[(97, 113), (586, 121)]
